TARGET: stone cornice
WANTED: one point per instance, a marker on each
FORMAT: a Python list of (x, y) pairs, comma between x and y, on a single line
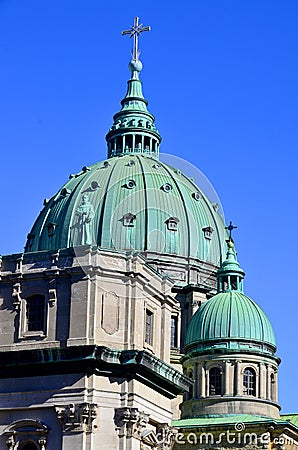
[(92, 359)]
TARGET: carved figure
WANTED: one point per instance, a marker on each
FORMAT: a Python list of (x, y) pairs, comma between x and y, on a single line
[(85, 213)]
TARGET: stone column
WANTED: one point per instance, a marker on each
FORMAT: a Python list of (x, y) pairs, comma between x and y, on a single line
[(275, 387), (226, 390), (133, 145), (268, 382), (262, 380), (238, 378), (206, 382)]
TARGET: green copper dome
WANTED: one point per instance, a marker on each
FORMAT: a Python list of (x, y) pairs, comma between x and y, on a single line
[(131, 202), (230, 320)]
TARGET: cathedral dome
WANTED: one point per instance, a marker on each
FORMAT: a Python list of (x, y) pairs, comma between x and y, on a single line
[(230, 320), (134, 202), (131, 203)]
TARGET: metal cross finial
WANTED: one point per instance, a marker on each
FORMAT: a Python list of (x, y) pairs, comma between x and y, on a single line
[(231, 227), (134, 32)]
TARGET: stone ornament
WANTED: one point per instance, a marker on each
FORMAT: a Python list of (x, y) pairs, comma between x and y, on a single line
[(24, 431), (16, 295), (132, 423), (77, 417)]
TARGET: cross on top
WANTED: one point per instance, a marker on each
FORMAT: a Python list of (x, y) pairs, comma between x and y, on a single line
[(134, 32), (231, 227)]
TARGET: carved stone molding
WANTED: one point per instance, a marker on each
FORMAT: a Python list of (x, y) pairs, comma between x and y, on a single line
[(132, 423), (16, 295), (52, 292), (77, 417), (55, 258), (10, 442), (26, 430)]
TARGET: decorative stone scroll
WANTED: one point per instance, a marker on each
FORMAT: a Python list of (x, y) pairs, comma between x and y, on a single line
[(16, 295), (132, 423), (77, 417), (52, 292)]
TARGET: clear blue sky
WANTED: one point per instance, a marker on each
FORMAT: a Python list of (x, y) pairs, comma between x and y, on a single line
[(221, 78)]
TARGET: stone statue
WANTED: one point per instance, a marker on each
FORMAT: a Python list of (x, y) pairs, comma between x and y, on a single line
[(85, 213)]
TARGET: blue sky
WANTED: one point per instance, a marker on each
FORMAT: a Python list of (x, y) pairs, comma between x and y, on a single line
[(221, 79)]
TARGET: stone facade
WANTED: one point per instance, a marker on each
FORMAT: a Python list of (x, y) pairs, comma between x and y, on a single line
[(96, 374)]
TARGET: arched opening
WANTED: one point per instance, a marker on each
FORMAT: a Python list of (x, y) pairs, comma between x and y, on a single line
[(215, 381), (29, 446), (249, 381)]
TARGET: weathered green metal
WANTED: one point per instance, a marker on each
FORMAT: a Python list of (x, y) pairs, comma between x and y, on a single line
[(99, 360), (230, 320), (133, 130), (229, 419), (130, 184)]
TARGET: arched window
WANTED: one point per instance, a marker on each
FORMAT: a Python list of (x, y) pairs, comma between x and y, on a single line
[(215, 381), (29, 446), (249, 382), (35, 313)]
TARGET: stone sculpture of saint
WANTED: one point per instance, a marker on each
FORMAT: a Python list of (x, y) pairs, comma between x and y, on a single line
[(85, 213)]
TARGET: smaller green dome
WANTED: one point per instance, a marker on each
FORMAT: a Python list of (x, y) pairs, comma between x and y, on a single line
[(230, 320)]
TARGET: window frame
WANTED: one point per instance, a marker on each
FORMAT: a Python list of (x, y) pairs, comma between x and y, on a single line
[(149, 336), (249, 382), (24, 330), (217, 384)]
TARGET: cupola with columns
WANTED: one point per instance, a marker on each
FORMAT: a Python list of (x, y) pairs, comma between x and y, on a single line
[(133, 130), (230, 352)]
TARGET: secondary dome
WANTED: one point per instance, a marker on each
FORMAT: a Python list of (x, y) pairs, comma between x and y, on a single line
[(230, 320), (127, 203)]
